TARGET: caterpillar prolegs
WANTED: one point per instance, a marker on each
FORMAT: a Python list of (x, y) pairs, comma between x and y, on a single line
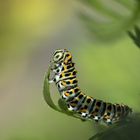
[(87, 107)]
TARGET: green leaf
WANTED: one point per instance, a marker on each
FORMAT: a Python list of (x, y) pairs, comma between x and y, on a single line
[(110, 20), (46, 92), (62, 104), (127, 129), (135, 36)]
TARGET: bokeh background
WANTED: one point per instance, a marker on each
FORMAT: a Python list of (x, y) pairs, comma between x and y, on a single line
[(107, 60)]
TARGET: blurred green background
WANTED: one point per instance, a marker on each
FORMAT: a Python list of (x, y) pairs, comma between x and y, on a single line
[(107, 60)]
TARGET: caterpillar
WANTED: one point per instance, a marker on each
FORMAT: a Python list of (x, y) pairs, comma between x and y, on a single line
[(85, 106)]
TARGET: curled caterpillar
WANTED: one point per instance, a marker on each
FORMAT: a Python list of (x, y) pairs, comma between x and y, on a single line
[(85, 106)]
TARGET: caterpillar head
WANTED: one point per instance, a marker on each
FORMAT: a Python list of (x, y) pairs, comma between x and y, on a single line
[(62, 55)]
